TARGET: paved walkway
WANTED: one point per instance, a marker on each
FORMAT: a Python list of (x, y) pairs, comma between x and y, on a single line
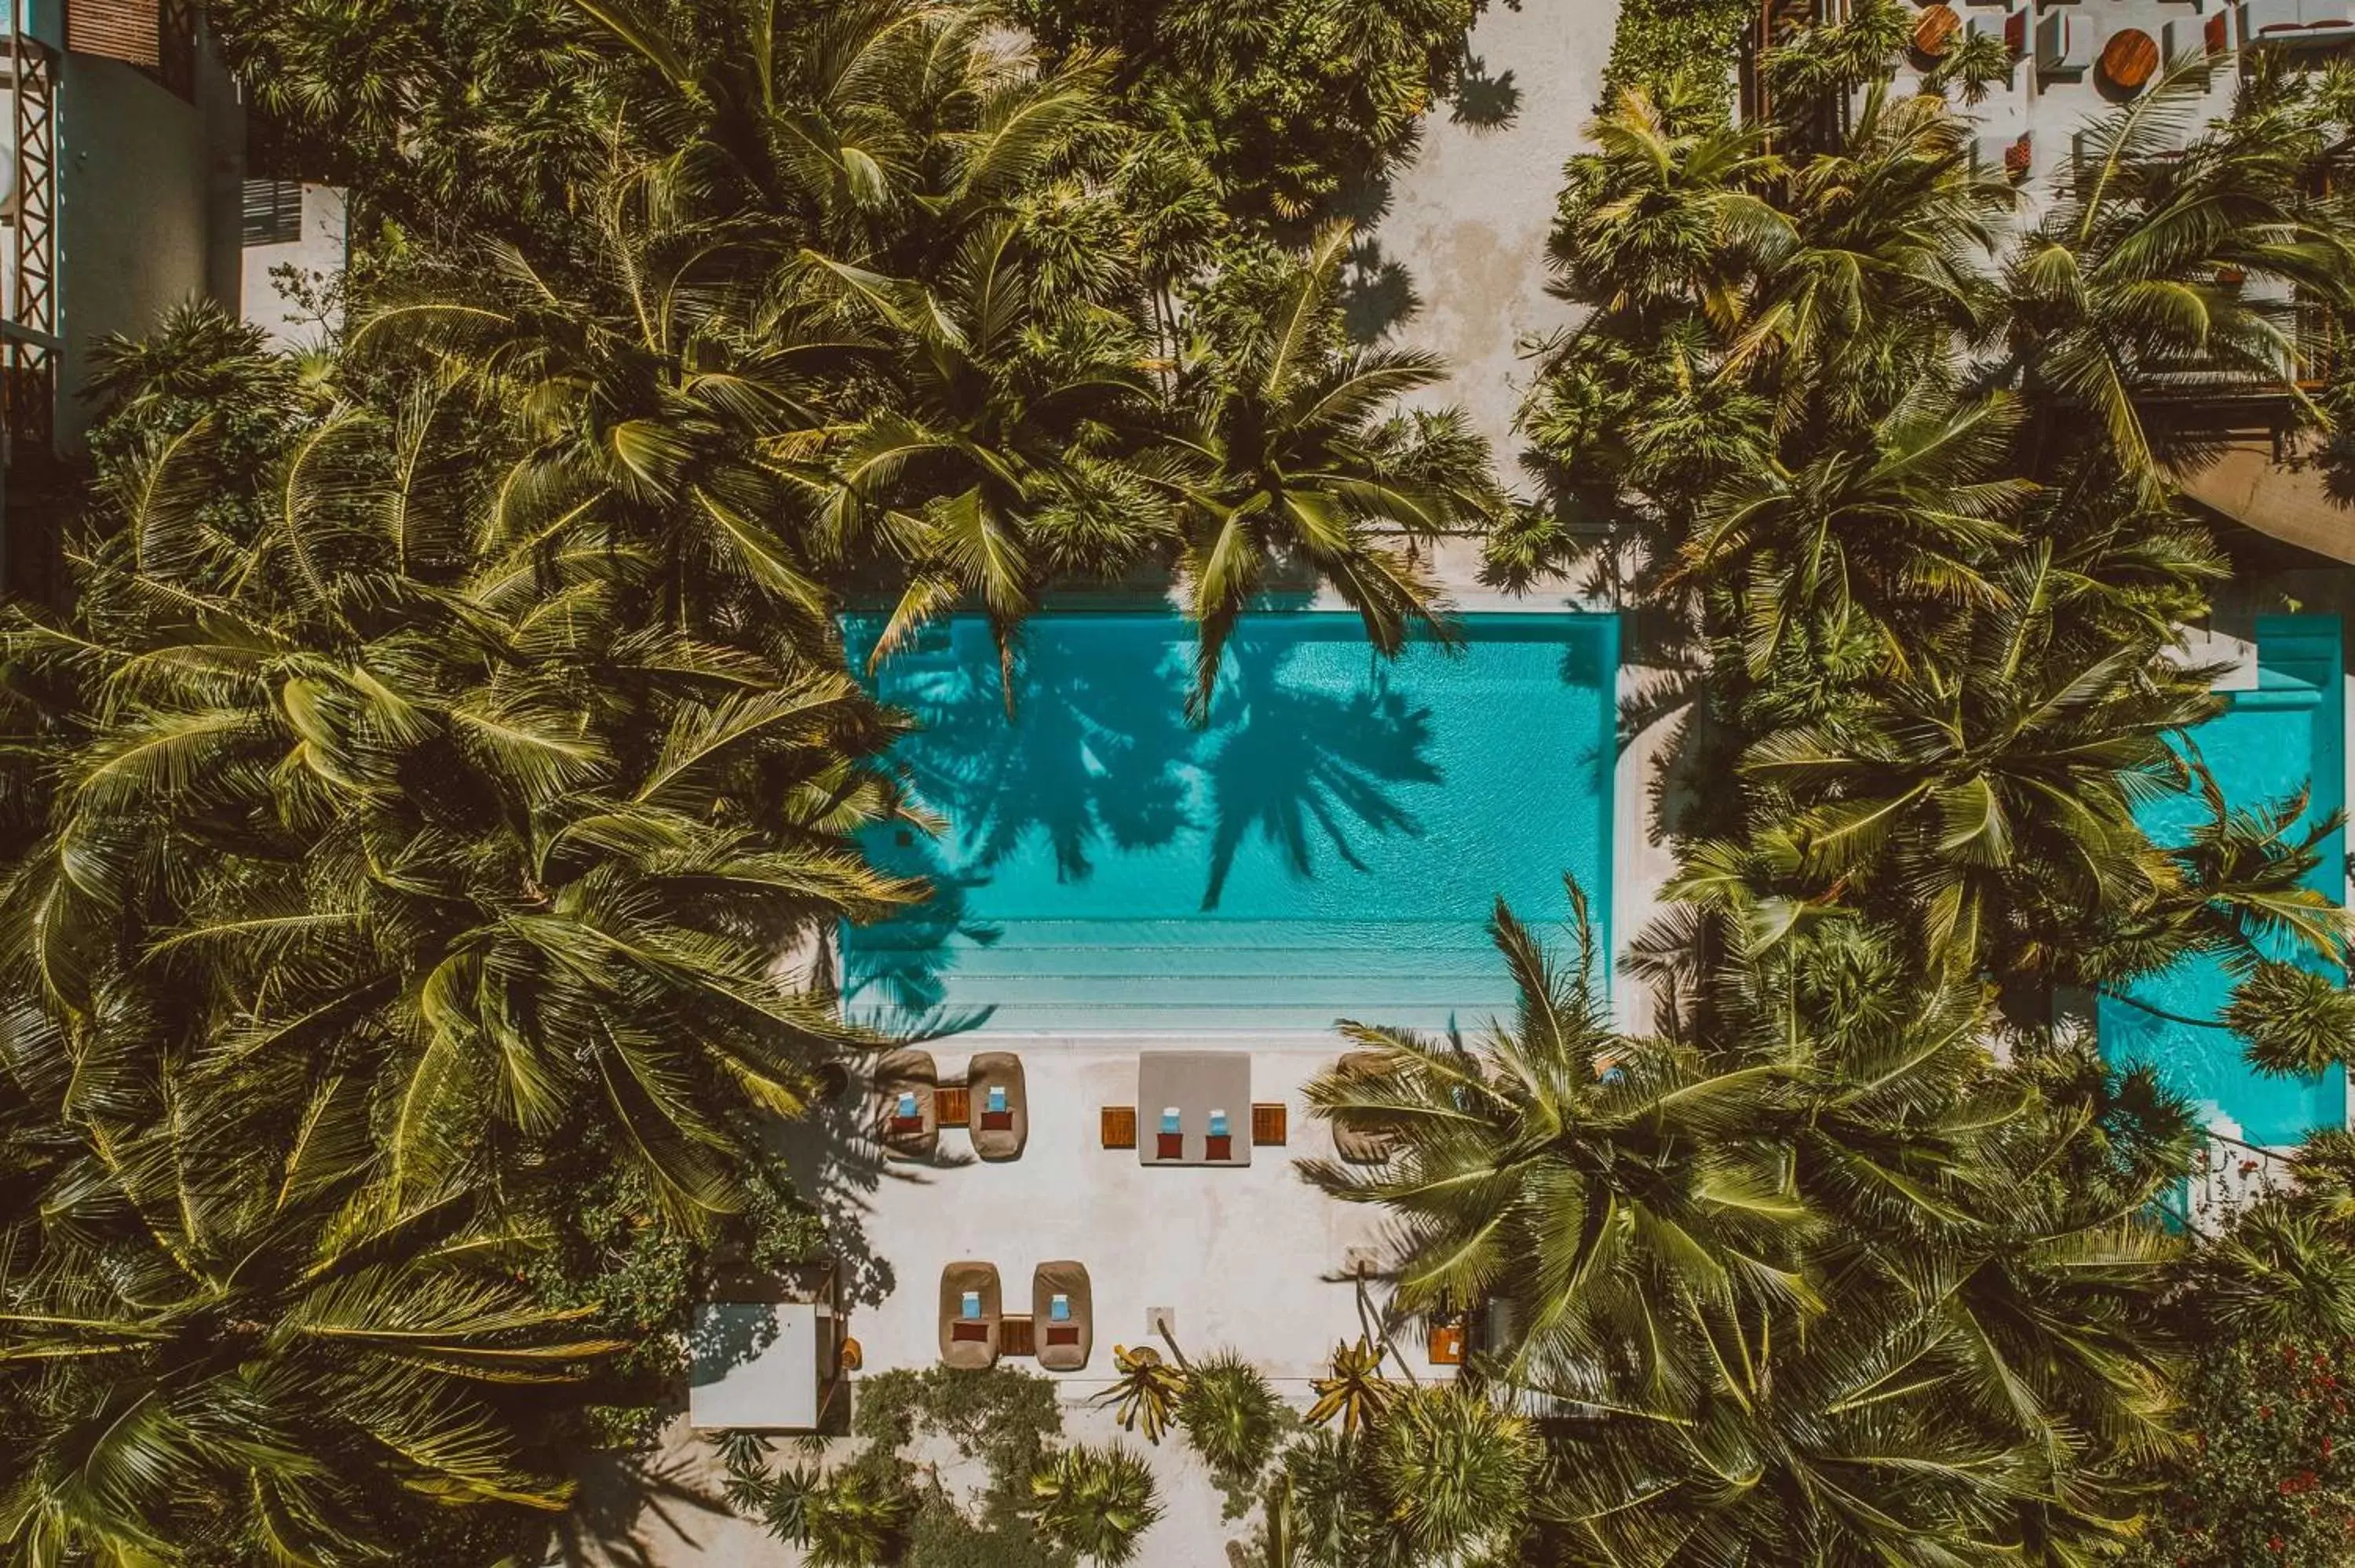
[(1466, 225)]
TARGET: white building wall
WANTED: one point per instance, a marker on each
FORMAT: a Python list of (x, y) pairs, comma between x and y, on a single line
[(316, 258)]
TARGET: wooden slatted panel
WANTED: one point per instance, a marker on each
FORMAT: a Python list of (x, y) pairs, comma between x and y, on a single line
[(125, 30), (273, 211), (1016, 1336), (1120, 1126), (1270, 1125)]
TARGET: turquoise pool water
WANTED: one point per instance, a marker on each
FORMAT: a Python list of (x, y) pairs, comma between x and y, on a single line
[(2270, 743), (1329, 844)]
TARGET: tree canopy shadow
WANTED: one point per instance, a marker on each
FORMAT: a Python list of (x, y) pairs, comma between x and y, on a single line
[(1299, 764), (1377, 292), (621, 1499), (1483, 102), (1096, 761)]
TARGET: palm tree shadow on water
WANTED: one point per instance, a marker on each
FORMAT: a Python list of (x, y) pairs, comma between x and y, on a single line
[(1093, 754), (1097, 761), (1299, 764)]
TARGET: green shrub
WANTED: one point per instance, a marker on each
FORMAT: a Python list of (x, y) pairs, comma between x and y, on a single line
[(2269, 1476), (1290, 102), (1096, 1502), (882, 1502), (1235, 1421), (1675, 47)]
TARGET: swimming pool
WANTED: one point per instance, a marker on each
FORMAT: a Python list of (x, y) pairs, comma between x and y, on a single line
[(1329, 844), (2269, 743)]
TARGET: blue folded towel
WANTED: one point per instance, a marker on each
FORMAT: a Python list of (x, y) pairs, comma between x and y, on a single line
[(1169, 1119), (1059, 1308), (1218, 1124), (908, 1103), (996, 1101), (969, 1305)]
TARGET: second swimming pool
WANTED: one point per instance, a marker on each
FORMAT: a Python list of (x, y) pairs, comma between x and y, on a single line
[(2268, 743), (1329, 844)]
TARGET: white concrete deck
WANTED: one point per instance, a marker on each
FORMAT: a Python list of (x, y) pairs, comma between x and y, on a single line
[(1250, 1258)]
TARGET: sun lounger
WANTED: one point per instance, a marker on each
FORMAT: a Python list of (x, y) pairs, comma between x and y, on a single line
[(1359, 1145), (970, 1310), (907, 1085), (2294, 22), (2262, 20), (1000, 1105), (1062, 1316), (1194, 1099)]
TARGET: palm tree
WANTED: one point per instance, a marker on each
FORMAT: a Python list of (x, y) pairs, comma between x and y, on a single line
[(1279, 457), (875, 310), (455, 819), (1146, 1394), (852, 1519), (1095, 1502), (1232, 1416), (1877, 265), (1823, 64), (1459, 1474), (1880, 539), (1333, 1514), (1989, 797), (2142, 274), (1355, 1394), (1576, 1174), (1279, 1544), (209, 1343)]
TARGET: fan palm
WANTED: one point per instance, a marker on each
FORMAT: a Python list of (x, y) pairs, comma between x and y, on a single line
[(852, 1519), (1232, 1416), (1095, 1502), (1460, 1474)]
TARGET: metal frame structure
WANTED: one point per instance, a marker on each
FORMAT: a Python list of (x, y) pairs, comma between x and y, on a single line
[(28, 386)]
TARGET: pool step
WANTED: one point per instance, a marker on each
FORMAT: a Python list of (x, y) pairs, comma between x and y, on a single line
[(1202, 973)]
